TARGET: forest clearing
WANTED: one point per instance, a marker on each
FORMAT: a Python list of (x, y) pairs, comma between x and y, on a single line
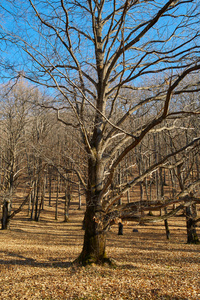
[(36, 261), (100, 149)]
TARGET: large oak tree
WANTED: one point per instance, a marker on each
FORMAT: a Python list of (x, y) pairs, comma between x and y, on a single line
[(120, 68)]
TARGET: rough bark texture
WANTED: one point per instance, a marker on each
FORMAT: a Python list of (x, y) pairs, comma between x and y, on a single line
[(94, 240)]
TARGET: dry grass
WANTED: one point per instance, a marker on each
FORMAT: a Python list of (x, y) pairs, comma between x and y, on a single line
[(36, 262)]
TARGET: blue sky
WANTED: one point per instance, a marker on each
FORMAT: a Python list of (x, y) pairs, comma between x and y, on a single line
[(56, 53)]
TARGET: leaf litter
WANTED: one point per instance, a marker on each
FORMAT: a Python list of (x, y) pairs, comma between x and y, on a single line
[(36, 262)]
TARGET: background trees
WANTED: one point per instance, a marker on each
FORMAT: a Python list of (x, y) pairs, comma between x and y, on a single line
[(36, 154), (119, 74), (14, 111)]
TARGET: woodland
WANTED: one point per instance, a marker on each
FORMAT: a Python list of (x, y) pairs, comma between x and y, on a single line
[(100, 148)]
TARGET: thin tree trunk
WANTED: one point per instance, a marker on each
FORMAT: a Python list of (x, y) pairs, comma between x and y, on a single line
[(120, 228), (127, 179), (39, 210), (37, 200), (67, 202), (50, 185), (29, 205), (79, 197), (6, 211), (119, 179), (128, 196), (33, 196), (56, 207), (167, 227), (43, 192)]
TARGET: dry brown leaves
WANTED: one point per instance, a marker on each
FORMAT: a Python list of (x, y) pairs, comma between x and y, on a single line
[(35, 263)]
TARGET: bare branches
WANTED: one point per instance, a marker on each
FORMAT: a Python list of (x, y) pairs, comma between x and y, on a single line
[(150, 24), (21, 206), (58, 115), (130, 211), (162, 163), (152, 124)]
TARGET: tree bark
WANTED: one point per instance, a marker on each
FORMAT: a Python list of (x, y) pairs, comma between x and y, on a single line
[(94, 245), (95, 238), (67, 202), (37, 200), (56, 204), (192, 237), (6, 211), (167, 226), (50, 184), (79, 197)]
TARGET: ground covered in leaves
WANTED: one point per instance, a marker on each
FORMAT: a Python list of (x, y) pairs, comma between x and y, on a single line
[(36, 262)]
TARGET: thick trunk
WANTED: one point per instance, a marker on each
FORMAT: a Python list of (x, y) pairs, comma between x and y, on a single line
[(94, 240)]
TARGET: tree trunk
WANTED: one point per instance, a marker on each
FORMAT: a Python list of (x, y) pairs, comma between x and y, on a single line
[(39, 210), (56, 205), (43, 191), (192, 237), (33, 195), (6, 211), (67, 202), (50, 184), (94, 240), (120, 228), (37, 200), (167, 226), (79, 197)]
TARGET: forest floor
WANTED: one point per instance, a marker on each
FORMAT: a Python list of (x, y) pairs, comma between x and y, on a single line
[(36, 261)]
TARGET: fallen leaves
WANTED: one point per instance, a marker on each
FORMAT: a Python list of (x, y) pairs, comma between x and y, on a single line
[(36, 263)]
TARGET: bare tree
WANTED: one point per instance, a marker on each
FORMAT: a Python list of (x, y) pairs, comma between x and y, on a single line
[(117, 47), (40, 128), (14, 111)]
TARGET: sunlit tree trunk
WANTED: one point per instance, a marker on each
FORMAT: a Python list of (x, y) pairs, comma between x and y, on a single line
[(57, 194), (67, 202), (79, 197), (50, 183), (94, 237)]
